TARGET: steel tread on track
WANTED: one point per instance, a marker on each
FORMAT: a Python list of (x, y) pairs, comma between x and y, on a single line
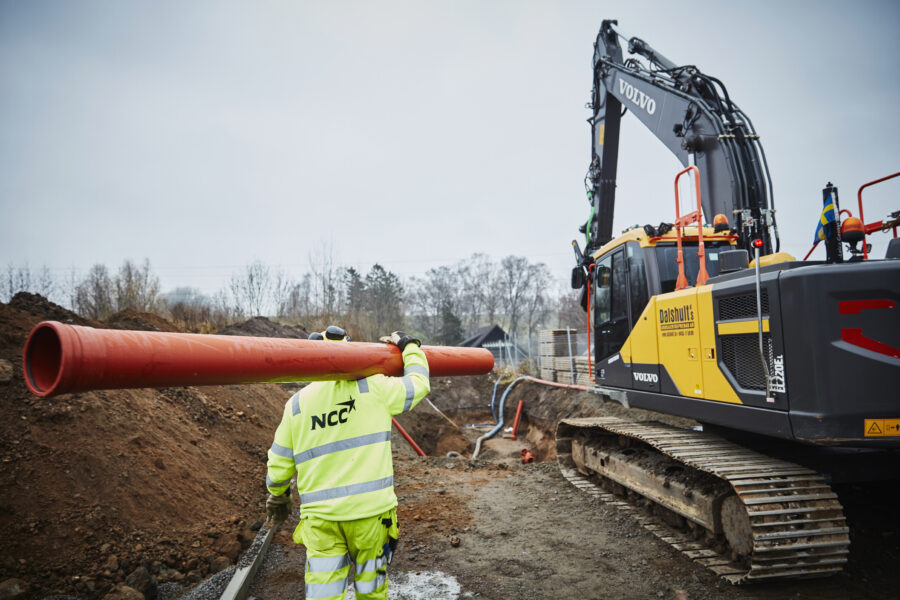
[(798, 525)]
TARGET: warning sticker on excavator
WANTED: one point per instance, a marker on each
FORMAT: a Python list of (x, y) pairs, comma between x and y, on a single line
[(882, 427)]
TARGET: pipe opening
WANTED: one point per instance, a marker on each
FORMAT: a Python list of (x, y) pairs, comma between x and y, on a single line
[(43, 359)]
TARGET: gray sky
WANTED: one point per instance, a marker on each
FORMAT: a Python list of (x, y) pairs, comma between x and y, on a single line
[(205, 135)]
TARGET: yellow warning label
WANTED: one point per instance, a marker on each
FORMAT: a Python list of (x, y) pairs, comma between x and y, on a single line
[(874, 427), (882, 427)]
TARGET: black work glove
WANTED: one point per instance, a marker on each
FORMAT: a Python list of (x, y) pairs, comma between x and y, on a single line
[(400, 339), (278, 508)]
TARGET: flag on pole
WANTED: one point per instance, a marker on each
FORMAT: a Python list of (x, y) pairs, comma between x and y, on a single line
[(827, 216)]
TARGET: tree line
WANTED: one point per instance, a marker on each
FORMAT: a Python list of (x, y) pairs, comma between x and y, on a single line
[(444, 306)]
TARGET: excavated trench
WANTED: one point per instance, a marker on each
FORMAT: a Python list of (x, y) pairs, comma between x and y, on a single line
[(466, 402)]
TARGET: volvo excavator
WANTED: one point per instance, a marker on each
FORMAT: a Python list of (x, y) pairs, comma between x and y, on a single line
[(790, 367)]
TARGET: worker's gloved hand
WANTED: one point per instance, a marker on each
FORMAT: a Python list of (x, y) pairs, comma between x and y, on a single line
[(400, 339), (278, 508)]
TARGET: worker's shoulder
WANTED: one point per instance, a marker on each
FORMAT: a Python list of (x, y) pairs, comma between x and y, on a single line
[(373, 381), (304, 394)]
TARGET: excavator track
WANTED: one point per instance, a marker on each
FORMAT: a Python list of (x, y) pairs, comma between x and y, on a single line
[(783, 518)]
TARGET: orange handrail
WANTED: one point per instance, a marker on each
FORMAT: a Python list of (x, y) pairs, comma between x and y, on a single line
[(692, 217), (863, 219), (589, 349)]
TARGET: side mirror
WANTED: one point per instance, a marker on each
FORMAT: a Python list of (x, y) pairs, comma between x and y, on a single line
[(578, 278)]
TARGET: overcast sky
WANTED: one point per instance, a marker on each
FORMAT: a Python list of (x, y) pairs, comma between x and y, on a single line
[(205, 135)]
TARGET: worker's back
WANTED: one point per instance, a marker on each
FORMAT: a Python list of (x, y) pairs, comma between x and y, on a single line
[(342, 451)]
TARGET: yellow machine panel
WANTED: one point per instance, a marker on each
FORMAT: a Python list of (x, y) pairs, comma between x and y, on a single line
[(743, 326), (641, 344), (679, 340), (686, 341)]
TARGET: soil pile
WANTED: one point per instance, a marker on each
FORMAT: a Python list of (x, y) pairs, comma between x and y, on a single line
[(263, 327), (96, 486)]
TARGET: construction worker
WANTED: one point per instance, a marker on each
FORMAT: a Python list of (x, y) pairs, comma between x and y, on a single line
[(336, 437)]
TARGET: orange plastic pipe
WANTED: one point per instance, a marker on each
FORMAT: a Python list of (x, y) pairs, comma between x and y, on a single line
[(515, 428), (408, 439), (60, 359)]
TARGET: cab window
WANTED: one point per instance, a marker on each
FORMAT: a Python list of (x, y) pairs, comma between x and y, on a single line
[(667, 259)]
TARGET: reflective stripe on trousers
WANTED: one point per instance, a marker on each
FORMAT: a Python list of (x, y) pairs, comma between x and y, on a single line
[(323, 591), (331, 575), (334, 547)]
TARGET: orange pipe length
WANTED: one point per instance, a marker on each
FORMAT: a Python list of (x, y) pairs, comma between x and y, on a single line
[(407, 437), (60, 359), (515, 428)]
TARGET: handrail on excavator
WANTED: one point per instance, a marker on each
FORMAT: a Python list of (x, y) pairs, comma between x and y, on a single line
[(862, 218), (688, 219)]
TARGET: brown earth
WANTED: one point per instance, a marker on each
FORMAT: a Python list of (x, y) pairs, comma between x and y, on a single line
[(95, 485), (263, 327)]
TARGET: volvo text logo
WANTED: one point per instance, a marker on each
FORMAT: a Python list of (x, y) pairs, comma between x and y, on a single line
[(646, 377), (637, 96)]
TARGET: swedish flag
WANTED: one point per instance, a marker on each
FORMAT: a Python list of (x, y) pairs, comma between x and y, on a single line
[(827, 216)]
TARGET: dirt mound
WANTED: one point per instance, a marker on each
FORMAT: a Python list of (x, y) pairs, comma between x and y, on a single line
[(141, 321), (96, 485), (263, 327), (35, 304)]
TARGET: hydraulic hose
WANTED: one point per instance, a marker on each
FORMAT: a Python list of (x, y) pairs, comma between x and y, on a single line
[(510, 387), (494, 397)]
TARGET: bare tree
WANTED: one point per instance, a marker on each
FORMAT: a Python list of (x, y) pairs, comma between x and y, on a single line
[(94, 294), (325, 283), (223, 311), (570, 312), (23, 279), (431, 296), (515, 281), (189, 308), (477, 300), (254, 288), (538, 302), (296, 303), (137, 288), (44, 284)]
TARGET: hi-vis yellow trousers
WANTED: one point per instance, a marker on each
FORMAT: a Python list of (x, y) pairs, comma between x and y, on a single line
[(332, 547)]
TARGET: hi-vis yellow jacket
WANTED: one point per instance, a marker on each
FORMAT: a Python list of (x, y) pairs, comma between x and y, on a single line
[(336, 436)]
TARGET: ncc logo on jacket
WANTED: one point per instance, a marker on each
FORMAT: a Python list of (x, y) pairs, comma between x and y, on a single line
[(334, 417)]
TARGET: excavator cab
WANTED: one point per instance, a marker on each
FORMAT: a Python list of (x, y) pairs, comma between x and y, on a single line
[(626, 274)]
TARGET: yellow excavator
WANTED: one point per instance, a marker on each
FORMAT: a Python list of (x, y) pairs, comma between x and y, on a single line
[(789, 366)]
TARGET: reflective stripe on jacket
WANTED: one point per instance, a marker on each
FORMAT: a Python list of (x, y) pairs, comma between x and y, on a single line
[(336, 436)]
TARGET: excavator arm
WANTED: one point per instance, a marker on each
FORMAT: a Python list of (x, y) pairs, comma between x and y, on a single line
[(693, 115)]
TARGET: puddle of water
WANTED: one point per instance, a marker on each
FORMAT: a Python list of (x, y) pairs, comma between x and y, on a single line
[(419, 585)]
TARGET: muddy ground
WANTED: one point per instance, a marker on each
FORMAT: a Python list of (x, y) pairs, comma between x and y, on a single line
[(162, 488), (524, 531)]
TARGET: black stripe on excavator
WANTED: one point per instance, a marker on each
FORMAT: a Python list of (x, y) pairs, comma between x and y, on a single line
[(774, 423), (651, 377)]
